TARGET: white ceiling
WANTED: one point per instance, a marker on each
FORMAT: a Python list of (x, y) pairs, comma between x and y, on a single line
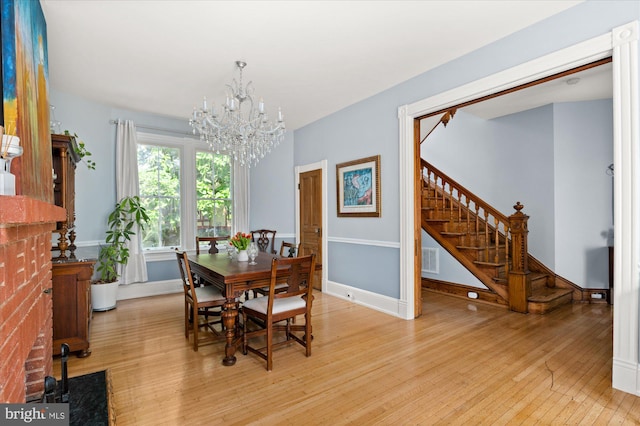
[(591, 84), (312, 58)]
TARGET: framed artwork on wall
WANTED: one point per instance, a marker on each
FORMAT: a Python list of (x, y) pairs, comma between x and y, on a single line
[(358, 187)]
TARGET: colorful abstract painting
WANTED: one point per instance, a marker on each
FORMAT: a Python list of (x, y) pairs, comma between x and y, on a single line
[(358, 187), (25, 87)]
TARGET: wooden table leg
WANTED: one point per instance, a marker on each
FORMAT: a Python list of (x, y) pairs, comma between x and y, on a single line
[(229, 317)]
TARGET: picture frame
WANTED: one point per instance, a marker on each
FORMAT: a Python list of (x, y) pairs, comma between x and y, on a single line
[(358, 188)]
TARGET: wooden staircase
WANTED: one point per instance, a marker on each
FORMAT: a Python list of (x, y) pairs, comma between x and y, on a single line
[(492, 246)]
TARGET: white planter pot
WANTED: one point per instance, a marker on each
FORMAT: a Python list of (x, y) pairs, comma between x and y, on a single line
[(104, 296)]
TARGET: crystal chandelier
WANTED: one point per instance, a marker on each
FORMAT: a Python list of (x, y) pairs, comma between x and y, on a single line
[(245, 134)]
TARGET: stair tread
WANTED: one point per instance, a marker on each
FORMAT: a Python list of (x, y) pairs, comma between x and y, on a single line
[(478, 262), (478, 247), (547, 294), (538, 275)]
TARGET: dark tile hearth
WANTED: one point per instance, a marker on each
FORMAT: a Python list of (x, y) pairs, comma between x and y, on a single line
[(88, 399)]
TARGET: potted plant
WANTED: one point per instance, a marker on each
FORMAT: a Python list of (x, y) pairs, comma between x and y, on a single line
[(128, 212), (81, 149)]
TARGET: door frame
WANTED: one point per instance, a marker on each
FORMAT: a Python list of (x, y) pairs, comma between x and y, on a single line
[(320, 165), (622, 45)]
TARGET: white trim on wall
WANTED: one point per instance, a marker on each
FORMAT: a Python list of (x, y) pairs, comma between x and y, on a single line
[(150, 288), (622, 45), (325, 215), (375, 301), (359, 241), (626, 238)]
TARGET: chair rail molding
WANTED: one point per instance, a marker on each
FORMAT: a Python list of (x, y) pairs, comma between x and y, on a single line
[(363, 242), (622, 45)]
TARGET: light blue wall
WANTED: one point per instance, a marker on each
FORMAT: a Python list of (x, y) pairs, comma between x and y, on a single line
[(371, 127), (272, 204), (380, 277), (583, 191)]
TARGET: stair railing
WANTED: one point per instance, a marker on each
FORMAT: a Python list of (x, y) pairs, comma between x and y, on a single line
[(482, 222), (444, 120)]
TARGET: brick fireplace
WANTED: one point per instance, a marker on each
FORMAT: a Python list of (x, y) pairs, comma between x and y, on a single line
[(26, 315)]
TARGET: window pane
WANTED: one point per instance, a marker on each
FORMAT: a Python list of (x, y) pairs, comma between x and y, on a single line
[(213, 194), (159, 176)]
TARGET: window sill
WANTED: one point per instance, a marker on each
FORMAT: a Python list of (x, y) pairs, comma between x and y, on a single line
[(163, 255)]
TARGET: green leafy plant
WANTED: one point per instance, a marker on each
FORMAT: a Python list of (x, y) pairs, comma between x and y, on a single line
[(127, 213), (81, 150)]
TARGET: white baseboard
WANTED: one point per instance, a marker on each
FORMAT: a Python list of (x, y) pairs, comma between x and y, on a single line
[(626, 377), (381, 303), (154, 288)]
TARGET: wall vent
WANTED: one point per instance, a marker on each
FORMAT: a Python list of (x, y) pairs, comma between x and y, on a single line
[(430, 260)]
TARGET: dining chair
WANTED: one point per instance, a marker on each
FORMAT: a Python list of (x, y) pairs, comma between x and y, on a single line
[(212, 243), (275, 312), (289, 249), (265, 239), (199, 302), (286, 250), (213, 249)]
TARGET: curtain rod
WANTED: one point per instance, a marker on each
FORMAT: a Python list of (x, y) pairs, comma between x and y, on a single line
[(159, 129)]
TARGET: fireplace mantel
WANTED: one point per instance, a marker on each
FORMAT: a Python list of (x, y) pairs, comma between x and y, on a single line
[(25, 297), (19, 210)]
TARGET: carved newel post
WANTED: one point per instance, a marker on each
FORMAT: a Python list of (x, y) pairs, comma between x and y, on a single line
[(519, 277)]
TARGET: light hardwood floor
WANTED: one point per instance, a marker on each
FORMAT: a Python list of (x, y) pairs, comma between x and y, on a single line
[(462, 362)]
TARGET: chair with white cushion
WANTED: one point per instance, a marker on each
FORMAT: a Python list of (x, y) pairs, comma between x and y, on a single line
[(199, 302), (275, 312)]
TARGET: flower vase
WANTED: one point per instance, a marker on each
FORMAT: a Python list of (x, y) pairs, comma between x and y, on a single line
[(243, 256), (9, 149)]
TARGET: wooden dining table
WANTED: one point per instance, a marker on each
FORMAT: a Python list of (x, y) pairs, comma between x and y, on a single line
[(233, 279)]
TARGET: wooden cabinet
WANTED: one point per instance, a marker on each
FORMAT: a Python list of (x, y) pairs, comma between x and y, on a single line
[(71, 277), (65, 158), (72, 304)]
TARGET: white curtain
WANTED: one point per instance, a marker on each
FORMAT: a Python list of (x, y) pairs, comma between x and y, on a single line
[(127, 185), (240, 221)]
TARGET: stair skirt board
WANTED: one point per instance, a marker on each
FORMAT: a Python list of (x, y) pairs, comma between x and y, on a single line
[(537, 305), (461, 290)]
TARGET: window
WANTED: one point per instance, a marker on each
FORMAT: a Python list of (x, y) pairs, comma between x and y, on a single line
[(187, 191), (159, 182), (213, 194)]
